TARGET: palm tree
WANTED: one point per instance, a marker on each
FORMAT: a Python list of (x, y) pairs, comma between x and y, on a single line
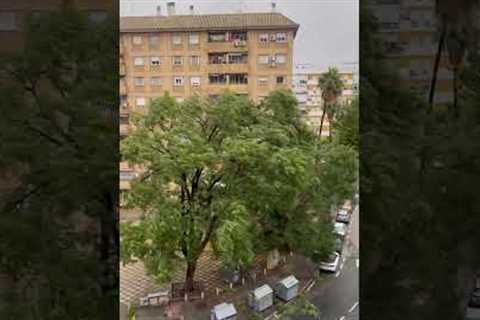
[(331, 86), (456, 21)]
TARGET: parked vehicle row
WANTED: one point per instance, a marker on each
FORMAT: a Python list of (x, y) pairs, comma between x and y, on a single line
[(342, 219)]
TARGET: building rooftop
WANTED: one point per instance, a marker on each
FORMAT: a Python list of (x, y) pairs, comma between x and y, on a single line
[(235, 21)]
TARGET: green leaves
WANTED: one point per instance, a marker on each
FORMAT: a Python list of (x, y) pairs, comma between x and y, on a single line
[(241, 177)]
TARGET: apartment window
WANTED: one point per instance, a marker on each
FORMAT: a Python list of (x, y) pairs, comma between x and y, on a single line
[(7, 21), (280, 80), (140, 102), (139, 81), (217, 58), (155, 81), (177, 60), (263, 81), (281, 37), (137, 40), (194, 38), (238, 79), (97, 16), (124, 119), (263, 38), (154, 40), (127, 175), (195, 81), (138, 61), (178, 81), (237, 58), (155, 61), (280, 58), (177, 39), (263, 59), (239, 35), (195, 60), (217, 79), (216, 37)]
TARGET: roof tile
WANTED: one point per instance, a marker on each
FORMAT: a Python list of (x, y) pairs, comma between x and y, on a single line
[(206, 22)]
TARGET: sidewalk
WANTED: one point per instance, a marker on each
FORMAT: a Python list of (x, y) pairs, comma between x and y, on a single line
[(134, 284)]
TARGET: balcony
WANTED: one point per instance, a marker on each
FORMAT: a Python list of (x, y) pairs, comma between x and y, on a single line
[(218, 89), (228, 68), (237, 46)]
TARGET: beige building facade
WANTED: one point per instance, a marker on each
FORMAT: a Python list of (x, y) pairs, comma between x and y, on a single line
[(249, 54), (309, 97)]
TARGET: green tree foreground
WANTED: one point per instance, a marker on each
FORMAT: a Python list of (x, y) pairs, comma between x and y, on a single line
[(244, 178)]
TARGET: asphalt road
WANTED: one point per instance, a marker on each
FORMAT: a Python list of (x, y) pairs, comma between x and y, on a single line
[(337, 296)]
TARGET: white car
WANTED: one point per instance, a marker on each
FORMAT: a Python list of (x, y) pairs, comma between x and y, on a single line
[(340, 229), (331, 265), (343, 216)]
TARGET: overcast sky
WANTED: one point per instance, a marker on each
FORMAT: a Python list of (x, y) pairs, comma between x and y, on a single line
[(328, 33)]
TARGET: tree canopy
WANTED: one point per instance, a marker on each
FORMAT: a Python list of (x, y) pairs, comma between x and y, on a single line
[(57, 224), (239, 176)]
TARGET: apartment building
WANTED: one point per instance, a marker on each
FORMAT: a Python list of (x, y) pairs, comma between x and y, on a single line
[(13, 16), (409, 30), (248, 53), (310, 100)]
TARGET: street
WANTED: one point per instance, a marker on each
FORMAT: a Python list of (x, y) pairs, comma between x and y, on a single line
[(337, 297)]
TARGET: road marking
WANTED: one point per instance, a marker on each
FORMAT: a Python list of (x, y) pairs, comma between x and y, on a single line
[(341, 266), (342, 318), (353, 307), (357, 262), (337, 274)]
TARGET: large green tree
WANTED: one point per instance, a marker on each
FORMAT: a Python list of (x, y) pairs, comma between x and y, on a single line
[(230, 173), (346, 126)]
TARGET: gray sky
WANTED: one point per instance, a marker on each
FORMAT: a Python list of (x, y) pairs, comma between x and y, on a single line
[(328, 33)]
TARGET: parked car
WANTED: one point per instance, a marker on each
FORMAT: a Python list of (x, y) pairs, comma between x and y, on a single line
[(475, 299), (331, 264), (343, 216), (340, 229), (338, 244)]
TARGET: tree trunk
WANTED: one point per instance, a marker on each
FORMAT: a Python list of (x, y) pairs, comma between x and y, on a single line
[(189, 277), (322, 119), (436, 66), (329, 128), (455, 92), (273, 259)]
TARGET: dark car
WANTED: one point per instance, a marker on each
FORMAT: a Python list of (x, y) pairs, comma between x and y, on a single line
[(475, 299), (343, 216)]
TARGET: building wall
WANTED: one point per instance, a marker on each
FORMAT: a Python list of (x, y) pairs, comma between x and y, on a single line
[(256, 88), (310, 97), (166, 71), (409, 28), (20, 9)]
